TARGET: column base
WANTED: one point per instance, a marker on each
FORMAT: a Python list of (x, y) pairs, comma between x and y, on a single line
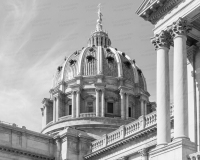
[(179, 149)]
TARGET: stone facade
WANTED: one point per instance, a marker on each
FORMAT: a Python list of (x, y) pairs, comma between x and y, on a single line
[(99, 104)]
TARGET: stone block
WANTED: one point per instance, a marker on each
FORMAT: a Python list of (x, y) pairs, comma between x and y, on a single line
[(179, 149)]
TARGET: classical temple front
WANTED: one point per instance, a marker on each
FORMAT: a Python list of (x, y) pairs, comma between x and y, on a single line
[(99, 106)]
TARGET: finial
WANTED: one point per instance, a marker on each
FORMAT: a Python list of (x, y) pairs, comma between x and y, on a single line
[(99, 20)]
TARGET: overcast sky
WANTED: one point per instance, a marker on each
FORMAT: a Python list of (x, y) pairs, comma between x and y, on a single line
[(35, 37)]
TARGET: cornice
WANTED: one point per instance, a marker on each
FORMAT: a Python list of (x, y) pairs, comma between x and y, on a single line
[(154, 12), (24, 153), (142, 133)]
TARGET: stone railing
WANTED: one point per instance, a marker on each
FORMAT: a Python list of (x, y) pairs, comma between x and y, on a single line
[(150, 118), (127, 130), (194, 156), (65, 117), (92, 114)]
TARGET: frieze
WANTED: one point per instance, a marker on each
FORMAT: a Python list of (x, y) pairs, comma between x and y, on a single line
[(37, 139), (163, 10)]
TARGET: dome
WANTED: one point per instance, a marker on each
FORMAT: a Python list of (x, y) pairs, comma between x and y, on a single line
[(98, 60), (97, 86)]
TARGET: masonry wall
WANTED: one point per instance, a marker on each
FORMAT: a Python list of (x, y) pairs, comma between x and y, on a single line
[(20, 143)]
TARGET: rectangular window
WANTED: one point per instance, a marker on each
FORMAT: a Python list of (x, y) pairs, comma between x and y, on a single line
[(90, 106), (109, 107), (129, 111), (70, 109)]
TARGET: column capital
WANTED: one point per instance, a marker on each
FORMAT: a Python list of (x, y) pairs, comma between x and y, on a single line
[(143, 152), (163, 39), (180, 27)]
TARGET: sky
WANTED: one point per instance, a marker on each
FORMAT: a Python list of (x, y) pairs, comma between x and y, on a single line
[(36, 36)]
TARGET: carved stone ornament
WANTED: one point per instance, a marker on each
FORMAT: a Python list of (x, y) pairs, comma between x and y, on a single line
[(161, 40), (90, 58), (72, 62), (180, 27), (143, 152)]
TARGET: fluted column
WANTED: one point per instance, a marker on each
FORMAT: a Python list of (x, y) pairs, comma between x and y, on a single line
[(162, 45), (97, 102), (179, 31), (77, 103), (122, 95), (103, 103), (73, 104), (127, 105)]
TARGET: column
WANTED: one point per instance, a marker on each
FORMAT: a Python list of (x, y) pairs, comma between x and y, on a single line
[(57, 107), (179, 31), (97, 102), (103, 103), (127, 105), (142, 107), (162, 45), (77, 104), (54, 109), (122, 95), (73, 104)]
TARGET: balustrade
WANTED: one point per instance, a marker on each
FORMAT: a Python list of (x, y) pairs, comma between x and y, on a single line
[(132, 127), (194, 156), (127, 130), (151, 119), (87, 115)]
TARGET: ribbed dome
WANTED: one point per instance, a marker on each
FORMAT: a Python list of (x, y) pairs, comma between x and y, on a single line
[(91, 61)]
